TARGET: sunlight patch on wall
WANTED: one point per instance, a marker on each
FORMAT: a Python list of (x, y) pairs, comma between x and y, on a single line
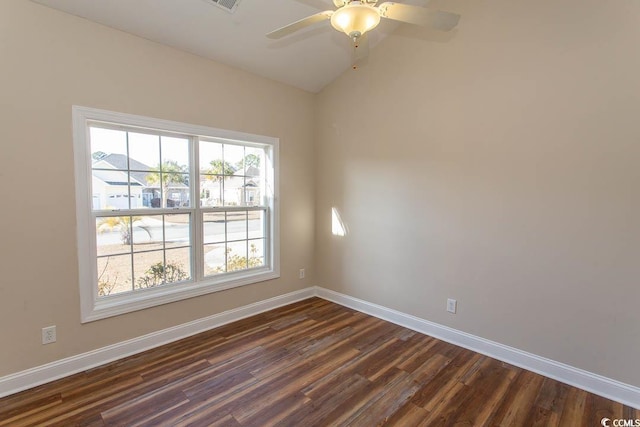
[(337, 226)]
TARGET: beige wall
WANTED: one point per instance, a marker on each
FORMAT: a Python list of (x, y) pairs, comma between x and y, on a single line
[(50, 61), (499, 167)]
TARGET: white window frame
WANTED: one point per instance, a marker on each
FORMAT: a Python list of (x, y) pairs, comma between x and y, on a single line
[(93, 307)]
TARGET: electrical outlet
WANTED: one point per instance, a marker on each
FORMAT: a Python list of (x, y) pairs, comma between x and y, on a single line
[(302, 273), (452, 306), (48, 334)]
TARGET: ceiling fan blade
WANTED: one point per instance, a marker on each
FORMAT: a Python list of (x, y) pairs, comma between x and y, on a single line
[(444, 21), (298, 25), (360, 51)]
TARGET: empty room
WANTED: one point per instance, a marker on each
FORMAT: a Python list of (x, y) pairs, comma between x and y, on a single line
[(320, 213)]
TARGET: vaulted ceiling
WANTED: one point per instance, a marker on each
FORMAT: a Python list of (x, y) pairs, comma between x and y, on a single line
[(308, 60)]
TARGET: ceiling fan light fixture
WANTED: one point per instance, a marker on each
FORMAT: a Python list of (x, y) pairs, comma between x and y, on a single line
[(355, 19)]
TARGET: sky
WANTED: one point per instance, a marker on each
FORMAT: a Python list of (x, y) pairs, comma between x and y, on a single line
[(148, 149)]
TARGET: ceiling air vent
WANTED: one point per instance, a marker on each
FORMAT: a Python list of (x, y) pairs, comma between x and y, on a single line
[(228, 5)]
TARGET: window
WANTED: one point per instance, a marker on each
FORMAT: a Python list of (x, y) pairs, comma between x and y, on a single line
[(168, 211)]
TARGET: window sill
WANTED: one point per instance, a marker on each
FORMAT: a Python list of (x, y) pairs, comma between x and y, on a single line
[(115, 305)]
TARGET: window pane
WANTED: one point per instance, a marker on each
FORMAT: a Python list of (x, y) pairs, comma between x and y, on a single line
[(144, 188), (234, 156), (175, 153), (178, 266), (176, 189), (110, 189), (211, 187), (234, 191), (210, 156), (256, 224), (114, 275), (256, 253), (150, 197), (135, 192), (177, 230), (254, 177), (214, 227), (253, 161), (236, 226), (236, 256), (144, 151), (113, 229), (148, 269), (252, 194), (109, 237), (105, 142), (214, 259), (147, 233)]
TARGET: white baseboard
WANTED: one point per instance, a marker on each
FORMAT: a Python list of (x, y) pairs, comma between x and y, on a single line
[(597, 384), (30, 378)]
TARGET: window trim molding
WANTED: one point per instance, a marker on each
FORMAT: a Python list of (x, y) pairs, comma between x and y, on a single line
[(93, 308)]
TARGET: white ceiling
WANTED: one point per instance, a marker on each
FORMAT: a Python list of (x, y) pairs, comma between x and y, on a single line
[(308, 60)]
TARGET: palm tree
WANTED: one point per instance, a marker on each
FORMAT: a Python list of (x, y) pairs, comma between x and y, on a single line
[(219, 171), (98, 155), (124, 224), (171, 173)]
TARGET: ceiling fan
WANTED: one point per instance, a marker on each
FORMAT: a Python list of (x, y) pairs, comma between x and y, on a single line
[(356, 17)]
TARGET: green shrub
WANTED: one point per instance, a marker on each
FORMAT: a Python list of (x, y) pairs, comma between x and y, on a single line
[(159, 274), (237, 262)]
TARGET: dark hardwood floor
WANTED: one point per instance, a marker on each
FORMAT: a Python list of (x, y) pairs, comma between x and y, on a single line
[(310, 363)]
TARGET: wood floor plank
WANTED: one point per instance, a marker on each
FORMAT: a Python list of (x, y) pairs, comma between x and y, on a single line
[(423, 353), (138, 410), (486, 393), (319, 408), (273, 414), (519, 409), (352, 406), (408, 415), (312, 363), (14, 412), (574, 408), (292, 379), (386, 403), (435, 392), (387, 357)]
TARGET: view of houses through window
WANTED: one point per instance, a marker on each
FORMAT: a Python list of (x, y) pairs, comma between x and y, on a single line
[(149, 228)]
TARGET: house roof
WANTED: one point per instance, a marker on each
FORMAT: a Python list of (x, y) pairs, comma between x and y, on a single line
[(119, 162), (113, 177), (138, 170)]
